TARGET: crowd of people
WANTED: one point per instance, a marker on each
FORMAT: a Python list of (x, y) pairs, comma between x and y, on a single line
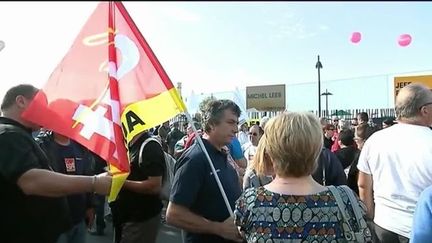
[(291, 178)]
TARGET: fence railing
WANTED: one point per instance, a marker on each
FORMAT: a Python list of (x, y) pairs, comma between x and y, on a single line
[(346, 114), (352, 113)]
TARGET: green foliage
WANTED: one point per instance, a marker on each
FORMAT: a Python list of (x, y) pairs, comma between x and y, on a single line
[(204, 103)]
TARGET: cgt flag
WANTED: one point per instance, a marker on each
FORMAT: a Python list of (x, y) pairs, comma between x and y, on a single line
[(108, 88)]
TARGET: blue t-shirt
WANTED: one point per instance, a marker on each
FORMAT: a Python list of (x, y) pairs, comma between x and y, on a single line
[(194, 187), (422, 224), (235, 149)]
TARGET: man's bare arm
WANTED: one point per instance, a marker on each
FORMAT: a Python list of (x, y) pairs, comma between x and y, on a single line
[(242, 163), (365, 184), (51, 184), (183, 218), (152, 185)]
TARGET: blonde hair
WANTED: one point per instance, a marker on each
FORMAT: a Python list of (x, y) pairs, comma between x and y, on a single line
[(294, 141)]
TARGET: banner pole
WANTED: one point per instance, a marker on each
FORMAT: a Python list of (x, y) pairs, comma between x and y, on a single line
[(201, 144)]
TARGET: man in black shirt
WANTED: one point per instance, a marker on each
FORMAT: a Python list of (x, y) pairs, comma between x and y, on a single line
[(32, 199), (347, 151), (173, 136), (136, 212), (196, 203)]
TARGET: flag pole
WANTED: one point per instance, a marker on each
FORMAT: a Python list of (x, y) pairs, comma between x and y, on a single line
[(201, 144), (168, 84)]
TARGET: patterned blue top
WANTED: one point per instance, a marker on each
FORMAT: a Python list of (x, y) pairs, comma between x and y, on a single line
[(267, 217)]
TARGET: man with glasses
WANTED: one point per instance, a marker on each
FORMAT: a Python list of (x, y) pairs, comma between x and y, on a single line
[(329, 131), (354, 123), (335, 121), (395, 165), (255, 133)]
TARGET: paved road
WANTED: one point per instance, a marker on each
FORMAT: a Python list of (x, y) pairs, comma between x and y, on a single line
[(167, 234)]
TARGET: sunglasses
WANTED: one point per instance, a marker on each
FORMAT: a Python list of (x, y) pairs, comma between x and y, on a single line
[(253, 134)]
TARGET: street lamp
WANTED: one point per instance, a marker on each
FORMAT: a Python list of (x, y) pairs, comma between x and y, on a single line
[(326, 95), (2, 45), (319, 66)]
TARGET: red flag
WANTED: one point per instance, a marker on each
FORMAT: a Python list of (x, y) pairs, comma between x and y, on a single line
[(107, 89)]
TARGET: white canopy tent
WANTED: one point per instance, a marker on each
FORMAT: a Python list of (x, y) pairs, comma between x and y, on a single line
[(193, 101)]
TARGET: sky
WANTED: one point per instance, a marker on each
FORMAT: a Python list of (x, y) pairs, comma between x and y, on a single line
[(218, 46)]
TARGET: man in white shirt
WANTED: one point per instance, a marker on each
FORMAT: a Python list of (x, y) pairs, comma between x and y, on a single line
[(242, 135), (250, 148), (396, 165), (264, 121)]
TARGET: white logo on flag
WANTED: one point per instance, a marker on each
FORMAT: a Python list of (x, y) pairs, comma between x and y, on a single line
[(94, 122)]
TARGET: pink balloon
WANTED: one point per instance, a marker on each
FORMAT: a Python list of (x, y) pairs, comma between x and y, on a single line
[(355, 37), (404, 40)]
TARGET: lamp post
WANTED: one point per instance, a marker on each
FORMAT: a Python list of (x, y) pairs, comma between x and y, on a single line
[(319, 66), (326, 95), (2, 45)]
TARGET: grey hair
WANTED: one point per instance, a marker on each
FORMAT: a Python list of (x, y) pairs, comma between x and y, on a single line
[(410, 99), (264, 121), (343, 124), (214, 112)]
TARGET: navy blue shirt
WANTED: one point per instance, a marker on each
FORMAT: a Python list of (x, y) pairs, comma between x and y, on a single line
[(195, 187), (72, 160)]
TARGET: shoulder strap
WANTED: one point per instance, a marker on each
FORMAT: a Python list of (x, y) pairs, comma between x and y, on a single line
[(327, 162), (339, 202), (143, 145), (46, 142), (356, 207), (357, 234), (324, 175), (347, 229), (324, 164)]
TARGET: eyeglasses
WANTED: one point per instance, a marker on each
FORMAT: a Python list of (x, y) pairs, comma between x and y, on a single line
[(253, 134)]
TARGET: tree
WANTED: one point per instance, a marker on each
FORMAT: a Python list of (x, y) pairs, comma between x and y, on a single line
[(204, 103)]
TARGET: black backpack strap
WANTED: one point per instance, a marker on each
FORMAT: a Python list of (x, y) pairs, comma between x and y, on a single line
[(143, 145), (45, 140)]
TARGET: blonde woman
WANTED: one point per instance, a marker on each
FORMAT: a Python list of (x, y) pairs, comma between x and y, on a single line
[(294, 207), (251, 179)]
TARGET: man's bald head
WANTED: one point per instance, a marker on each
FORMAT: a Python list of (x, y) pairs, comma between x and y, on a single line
[(411, 99), (254, 128), (255, 133)]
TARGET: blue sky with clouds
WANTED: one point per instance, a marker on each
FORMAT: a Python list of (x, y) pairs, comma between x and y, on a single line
[(217, 46)]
